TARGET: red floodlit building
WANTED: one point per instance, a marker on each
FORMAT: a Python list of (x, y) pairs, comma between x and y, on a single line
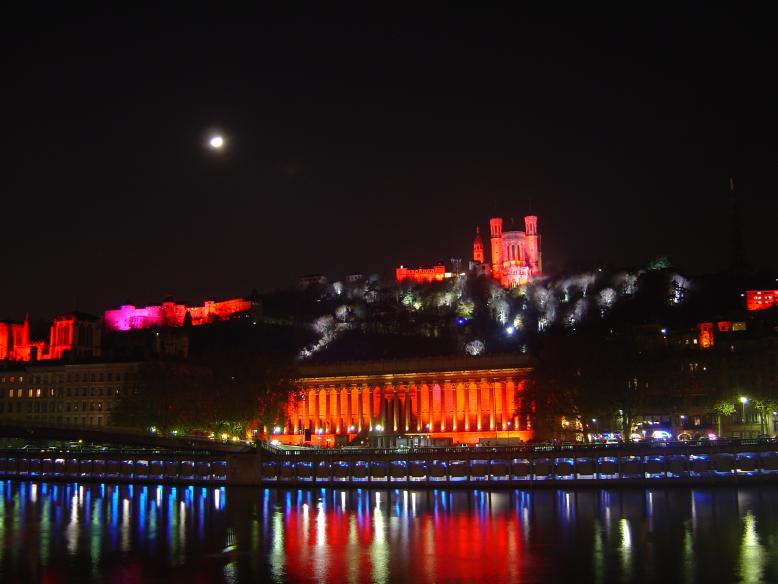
[(706, 334), (761, 299), (434, 274), (457, 399), (170, 314), (76, 333), (516, 256)]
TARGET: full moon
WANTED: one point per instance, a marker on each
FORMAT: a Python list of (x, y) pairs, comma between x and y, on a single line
[(216, 142)]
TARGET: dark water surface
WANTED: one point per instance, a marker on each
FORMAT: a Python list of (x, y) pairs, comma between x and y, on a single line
[(71, 532)]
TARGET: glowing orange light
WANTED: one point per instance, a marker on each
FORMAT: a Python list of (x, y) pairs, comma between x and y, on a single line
[(761, 299)]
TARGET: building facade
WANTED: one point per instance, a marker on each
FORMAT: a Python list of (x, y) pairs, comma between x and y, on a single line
[(516, 256), (171, 314), (74, 334), (434, 274), (75, 394), (463, 400)]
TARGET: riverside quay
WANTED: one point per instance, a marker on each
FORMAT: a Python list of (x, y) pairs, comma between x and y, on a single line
[(725, 461)]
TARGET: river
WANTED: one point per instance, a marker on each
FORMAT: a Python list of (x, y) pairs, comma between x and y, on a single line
[(81, 532)]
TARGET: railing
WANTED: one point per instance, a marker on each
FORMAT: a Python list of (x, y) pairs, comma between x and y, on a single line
[(723, 444), (128, 466)]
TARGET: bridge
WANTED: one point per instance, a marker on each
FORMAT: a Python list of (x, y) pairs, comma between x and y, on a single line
[(525, 466)]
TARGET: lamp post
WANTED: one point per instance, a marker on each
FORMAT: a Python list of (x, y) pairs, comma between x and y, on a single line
[(744, 401)]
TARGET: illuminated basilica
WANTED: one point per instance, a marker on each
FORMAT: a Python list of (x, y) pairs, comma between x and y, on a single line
[(516, 257)]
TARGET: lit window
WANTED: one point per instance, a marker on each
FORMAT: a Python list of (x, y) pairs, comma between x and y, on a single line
[(10, 393), (29, 392), (38, 392)]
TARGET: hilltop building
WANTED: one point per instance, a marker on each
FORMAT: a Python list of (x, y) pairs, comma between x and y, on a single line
[(76, 333), (516, 257), (171, 314)]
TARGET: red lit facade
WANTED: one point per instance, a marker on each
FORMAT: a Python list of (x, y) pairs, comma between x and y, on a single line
[(515, 256), (478, 247), (170, 314), (434, 274), (461, 399), (76, 333), (761, 299), (706, 334)]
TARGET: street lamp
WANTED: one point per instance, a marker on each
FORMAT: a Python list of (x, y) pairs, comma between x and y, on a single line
[(744, 401)]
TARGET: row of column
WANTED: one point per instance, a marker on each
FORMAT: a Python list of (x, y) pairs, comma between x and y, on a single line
[(416, 407)]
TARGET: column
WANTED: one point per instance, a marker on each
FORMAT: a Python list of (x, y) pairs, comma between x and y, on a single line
[(417, 393), (478, 404), (337, 414), (315, 409), (506, 410), (379, 421), (429, 407), (346, 407), (453, 396), (358, 391), (407, 402), (325, 409), (368, 393), (467, 404), (493, 410), (395, 408)]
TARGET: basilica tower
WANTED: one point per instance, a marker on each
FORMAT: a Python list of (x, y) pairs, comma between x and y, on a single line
[(495, 225), (532, 245), (478, 247)]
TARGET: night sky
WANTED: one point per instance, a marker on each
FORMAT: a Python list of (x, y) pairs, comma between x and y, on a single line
[(361, 140)]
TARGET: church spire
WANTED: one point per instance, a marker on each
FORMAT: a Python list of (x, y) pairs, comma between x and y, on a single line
[(478, 247)]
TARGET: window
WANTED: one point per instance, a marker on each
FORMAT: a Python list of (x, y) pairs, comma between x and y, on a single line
[(19, 392), (29, 392), (10, 393), (38, 392)]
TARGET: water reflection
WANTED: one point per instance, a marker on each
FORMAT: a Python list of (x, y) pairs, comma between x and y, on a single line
[(107, 532)]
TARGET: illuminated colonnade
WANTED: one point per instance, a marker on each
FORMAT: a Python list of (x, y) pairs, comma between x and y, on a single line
[(459, 399)]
